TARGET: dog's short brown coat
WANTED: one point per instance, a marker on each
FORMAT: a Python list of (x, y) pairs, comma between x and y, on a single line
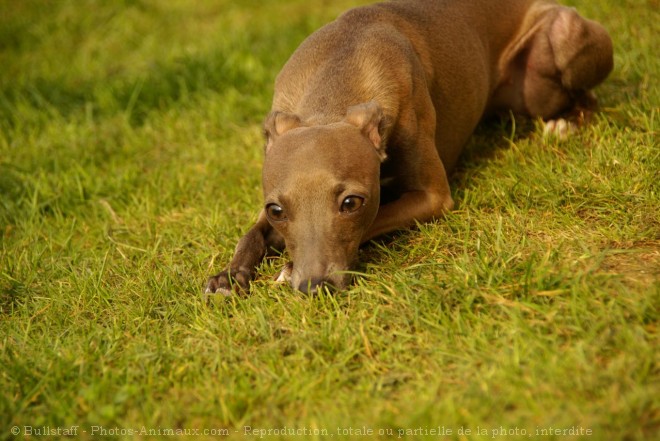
[(389, 94)]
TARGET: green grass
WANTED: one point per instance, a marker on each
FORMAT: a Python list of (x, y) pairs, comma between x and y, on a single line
[(130, 155)]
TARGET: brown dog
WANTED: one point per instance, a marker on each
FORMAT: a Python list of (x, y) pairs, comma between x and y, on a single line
[(383, 100)]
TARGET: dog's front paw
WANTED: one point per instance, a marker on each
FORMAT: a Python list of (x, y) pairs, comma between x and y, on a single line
[(229, 282)]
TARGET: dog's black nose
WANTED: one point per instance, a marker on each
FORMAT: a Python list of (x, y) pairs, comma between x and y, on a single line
[(311, 285)]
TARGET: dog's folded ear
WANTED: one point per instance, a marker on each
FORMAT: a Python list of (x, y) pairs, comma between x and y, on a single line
[(278, 123), (368, 117)]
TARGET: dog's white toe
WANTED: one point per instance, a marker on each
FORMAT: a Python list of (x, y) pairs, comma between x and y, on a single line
[(559, 128), (219, 291), (285, 275), (224, 291)]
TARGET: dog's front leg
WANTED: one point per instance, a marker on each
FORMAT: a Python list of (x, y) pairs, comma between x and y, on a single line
[(410, 208), (415, 205), (250, 251)]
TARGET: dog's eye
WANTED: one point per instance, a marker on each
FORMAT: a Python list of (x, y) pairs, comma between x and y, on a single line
[(275, 212), (351, 204)]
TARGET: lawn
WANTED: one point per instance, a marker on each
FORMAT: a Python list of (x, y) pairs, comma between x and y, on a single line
[(130, 157)]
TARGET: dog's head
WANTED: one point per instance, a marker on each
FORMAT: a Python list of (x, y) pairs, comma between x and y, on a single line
[(322, 191)]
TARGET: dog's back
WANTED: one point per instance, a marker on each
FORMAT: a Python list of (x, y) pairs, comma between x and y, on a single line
[(372, 52)]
